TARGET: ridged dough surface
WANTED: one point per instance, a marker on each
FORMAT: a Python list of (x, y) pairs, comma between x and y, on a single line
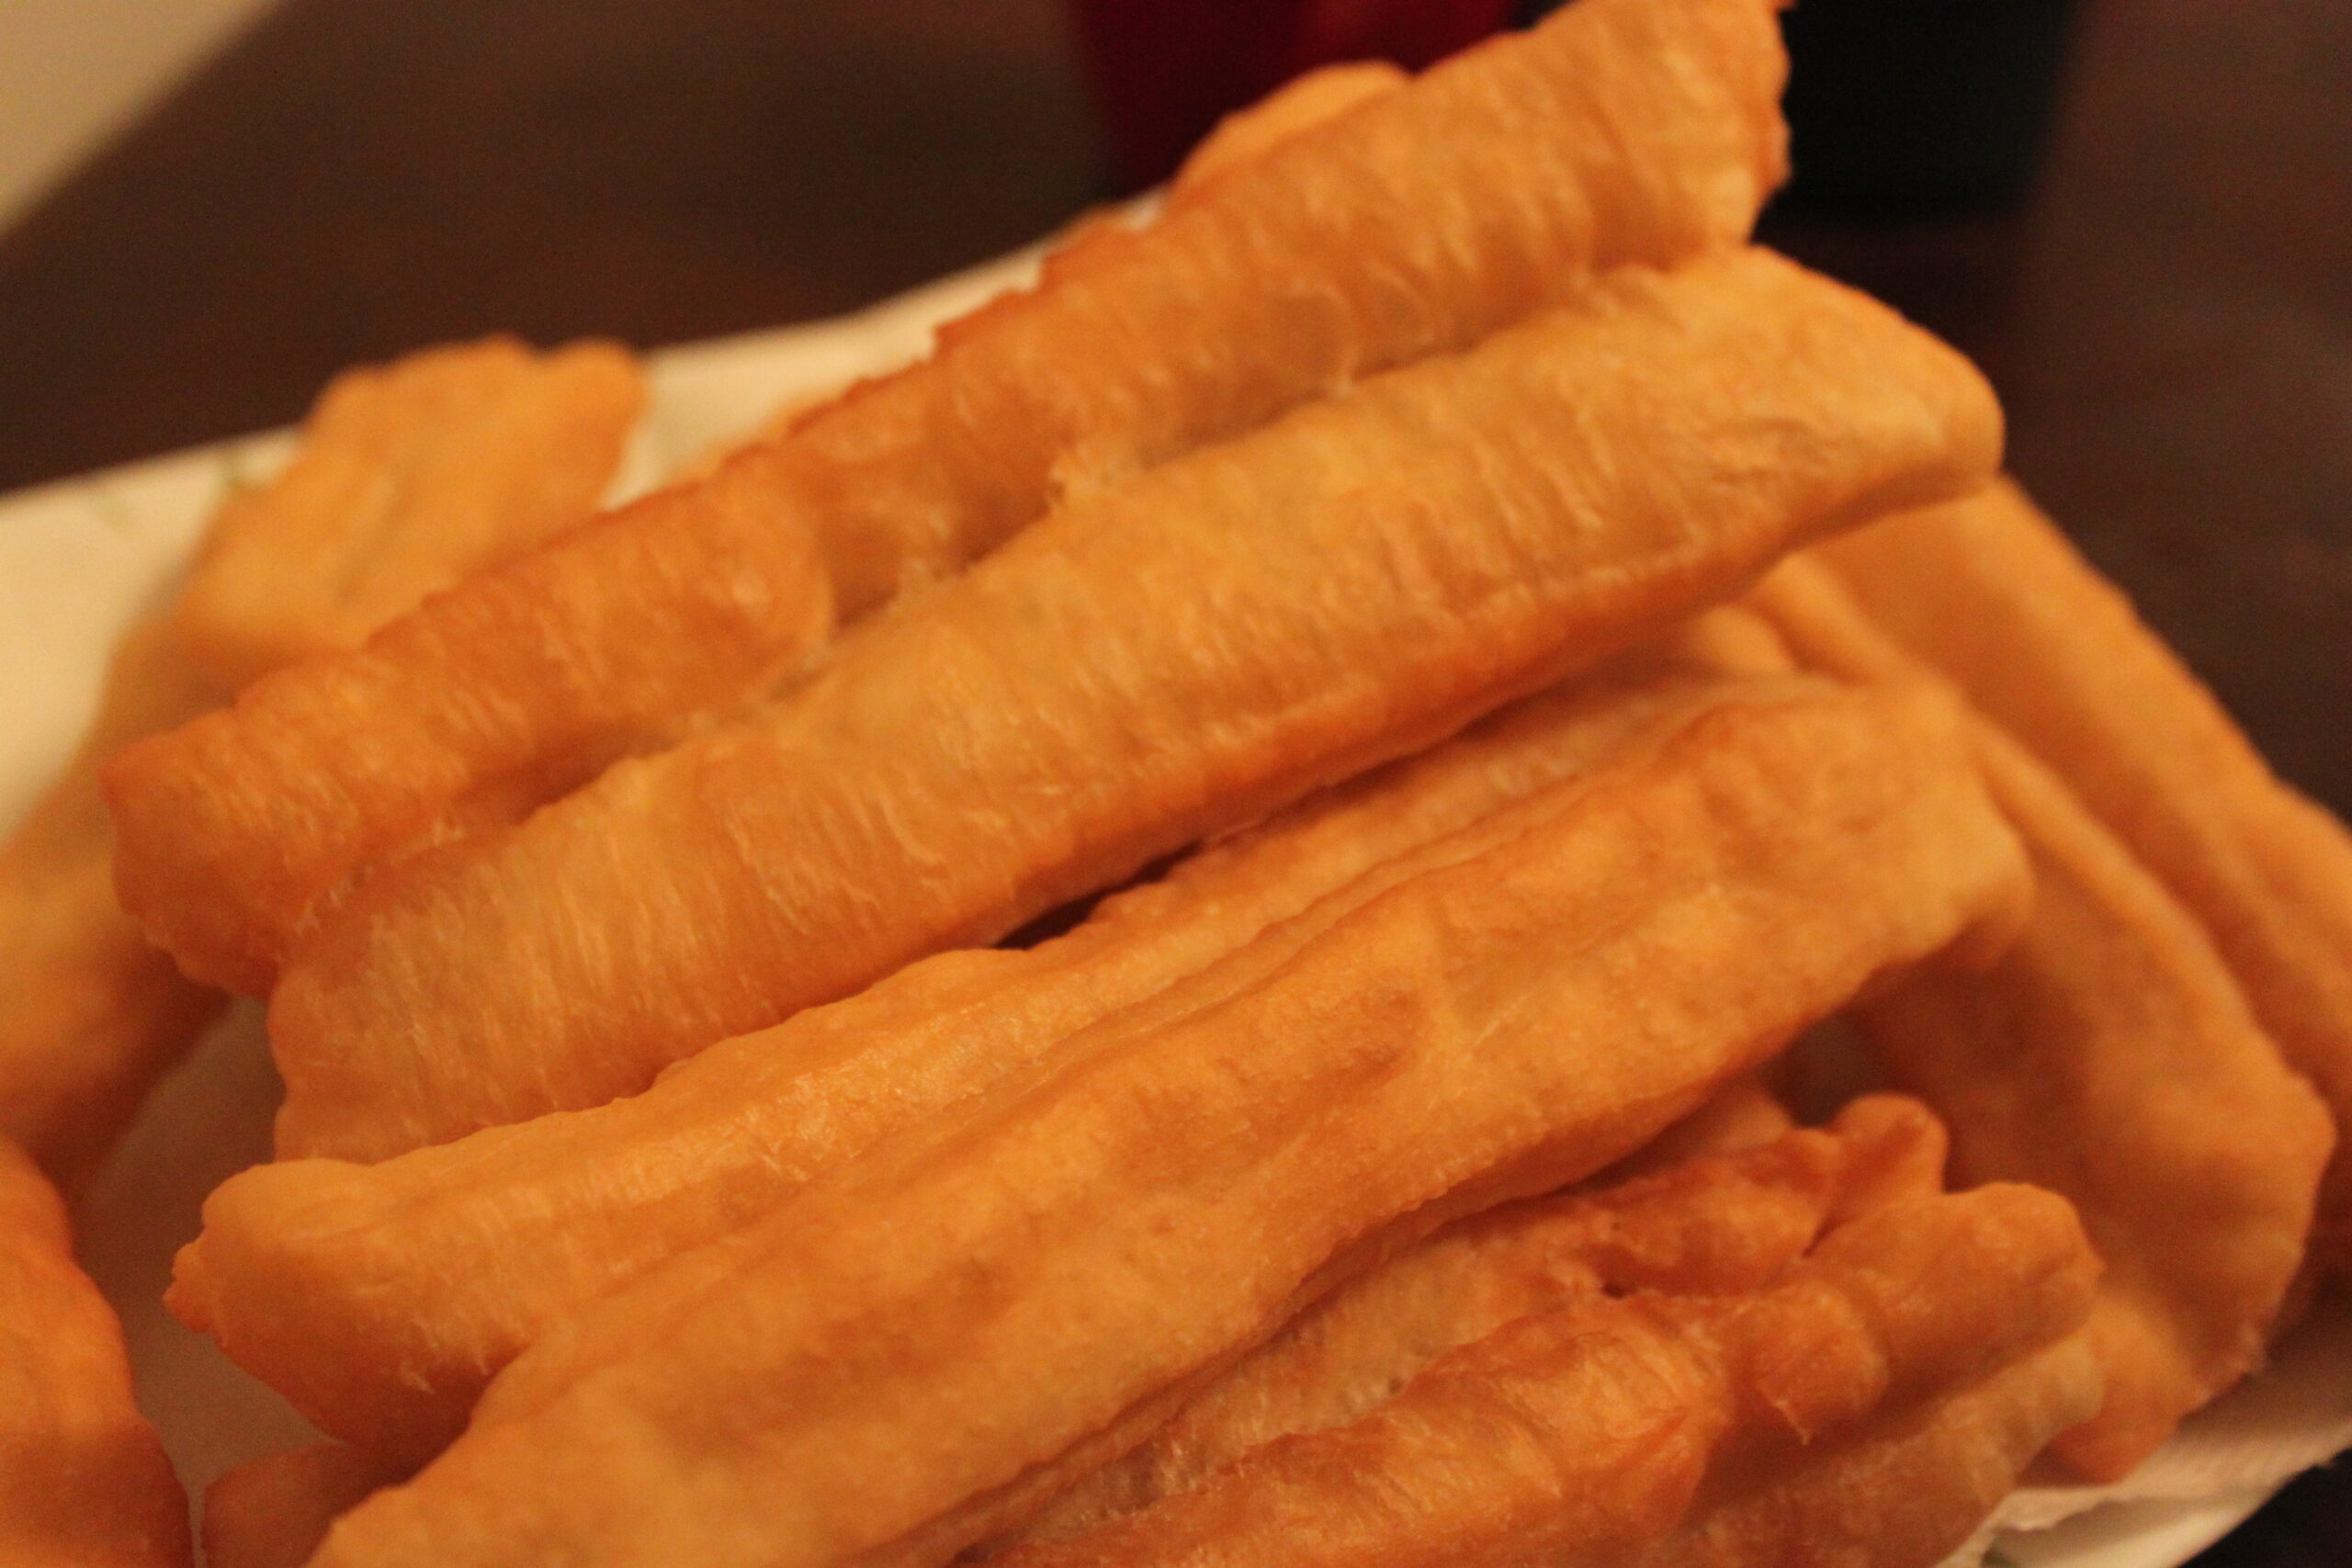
[(380, 1299), (1619, 131), (1159, 662), (923, 1349)]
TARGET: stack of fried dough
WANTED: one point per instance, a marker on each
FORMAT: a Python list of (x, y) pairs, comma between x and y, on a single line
[(409, 479), (1476, 661)]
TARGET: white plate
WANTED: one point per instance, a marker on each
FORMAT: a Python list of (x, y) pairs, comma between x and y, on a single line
[(80, 558)]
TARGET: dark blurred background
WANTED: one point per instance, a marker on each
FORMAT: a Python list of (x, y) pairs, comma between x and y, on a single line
[(2137, 214)]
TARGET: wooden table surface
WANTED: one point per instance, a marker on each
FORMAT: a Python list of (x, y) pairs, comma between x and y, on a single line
[(2168, 316)]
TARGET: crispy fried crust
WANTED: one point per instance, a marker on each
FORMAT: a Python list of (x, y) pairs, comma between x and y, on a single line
[(1990, 592), (83, 1479), (1896, 1148), (410, 477), (380, 1299), (1713, 1226), (272, 1512), (1619, 131), (90, 1014), (1414, 223), (1346, 585), (914, 1354), (590, 1339), (508, 689), (1584, 1436), (2110, 1057), (1906, 1491)]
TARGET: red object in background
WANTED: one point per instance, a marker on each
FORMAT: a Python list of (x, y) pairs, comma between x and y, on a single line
[(1165, 71)]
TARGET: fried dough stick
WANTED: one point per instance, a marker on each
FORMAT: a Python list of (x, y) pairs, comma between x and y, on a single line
[(588, 1340), (380, 1299), (1584, 1436), (1157, 663), (90, 1014), (919, 1353), (2108, 1055), (662, 1295), (1753, 1214), (1990, 592), (1713, 1226), (83, 1479), (408, 476), (1414, 224), (272, 1512), (1905, 1491)]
